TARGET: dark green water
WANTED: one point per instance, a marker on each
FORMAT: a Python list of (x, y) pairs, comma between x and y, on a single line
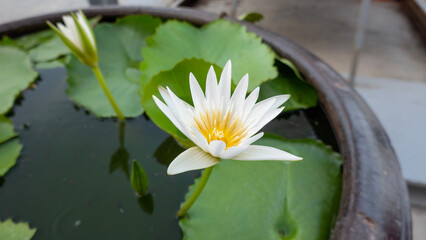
[(72, 178)]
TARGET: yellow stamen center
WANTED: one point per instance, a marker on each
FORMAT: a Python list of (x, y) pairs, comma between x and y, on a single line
[(213, 126)]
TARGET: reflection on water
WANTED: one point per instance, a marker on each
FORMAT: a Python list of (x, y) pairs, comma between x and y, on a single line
[(146, 203), (120, 158), (167, 151)]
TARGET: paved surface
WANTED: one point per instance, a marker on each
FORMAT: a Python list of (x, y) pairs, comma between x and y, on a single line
[(391, 73), (401, 107)]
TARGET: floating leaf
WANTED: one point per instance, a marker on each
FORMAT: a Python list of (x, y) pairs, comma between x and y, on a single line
[(302, 94), (291, 65), (138, 179), (177, 80), (9, 152), (16, 231), (214, 43), (16, 74), (60, 62), (7, 41), (119, 47), (6, 129), (269, 199), (9, 149), (30, 41), (49, 50), (251, 17)]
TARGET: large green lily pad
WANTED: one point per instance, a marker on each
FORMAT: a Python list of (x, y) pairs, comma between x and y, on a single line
[(119, 47), (16, 231), (215, 42), (178, 81), (16, 74), (289, 81), (269, 199)]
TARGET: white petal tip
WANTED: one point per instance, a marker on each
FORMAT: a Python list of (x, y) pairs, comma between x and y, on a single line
[(191, 159)]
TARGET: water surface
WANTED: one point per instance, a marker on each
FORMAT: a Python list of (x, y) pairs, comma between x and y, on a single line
[(72, 178)]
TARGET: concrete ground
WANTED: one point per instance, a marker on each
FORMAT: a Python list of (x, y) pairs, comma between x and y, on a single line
[(392, 68)]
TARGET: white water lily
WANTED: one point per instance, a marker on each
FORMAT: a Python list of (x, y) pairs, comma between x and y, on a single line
[(222, 126), (78, 36)]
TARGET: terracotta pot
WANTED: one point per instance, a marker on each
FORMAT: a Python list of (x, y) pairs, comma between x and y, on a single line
[(374, 203)]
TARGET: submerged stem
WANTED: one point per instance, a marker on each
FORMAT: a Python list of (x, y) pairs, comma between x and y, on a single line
[(104, 86), (197, 192)]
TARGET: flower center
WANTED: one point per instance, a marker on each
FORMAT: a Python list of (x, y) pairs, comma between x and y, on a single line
[(214, 126), (216, 135)]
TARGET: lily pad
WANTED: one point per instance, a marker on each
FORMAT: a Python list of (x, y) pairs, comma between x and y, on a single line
[(49, 50), (269, 199), (6, 129), (16, 231), (289, 81), (9, 152), (177, 80), (9, 149), (119, 47), (215, 42), (30, 41), (16, 74)]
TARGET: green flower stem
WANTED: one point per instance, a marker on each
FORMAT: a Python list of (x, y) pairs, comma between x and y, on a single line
[(197, 192), (101, 80)]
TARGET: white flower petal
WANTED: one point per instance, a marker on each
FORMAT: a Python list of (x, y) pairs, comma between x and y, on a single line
[(73, 34), (269, 116), (257, 153), (211, 88), (280, 100), (172, 117), (233, 151), (237, 99), (192, 159), (178, 107), (250, 102), (86, 27), (254, 138), (185, 111), (197, 94), (258, 111), (225, 82), (216, 147), (169, 114), (201, 141), (166, 97)]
